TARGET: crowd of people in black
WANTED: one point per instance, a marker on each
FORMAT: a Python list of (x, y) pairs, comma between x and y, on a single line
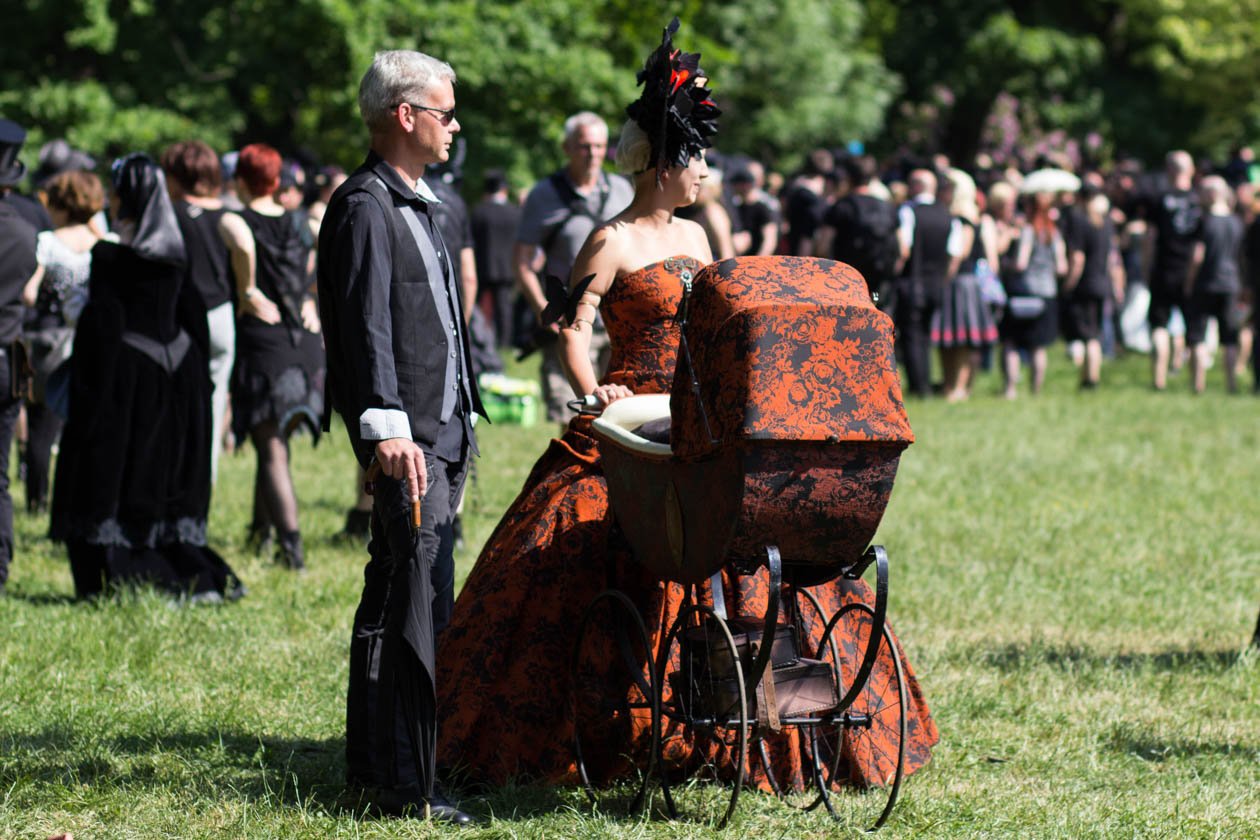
[(986, 265)]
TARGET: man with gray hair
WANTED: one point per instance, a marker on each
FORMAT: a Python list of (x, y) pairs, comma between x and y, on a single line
[(399, 374), (560, 212)]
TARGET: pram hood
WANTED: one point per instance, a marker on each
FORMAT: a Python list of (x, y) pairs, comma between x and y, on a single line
[(787, 349)]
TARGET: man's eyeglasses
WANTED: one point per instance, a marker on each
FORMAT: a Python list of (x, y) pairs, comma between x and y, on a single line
[(444, 116)]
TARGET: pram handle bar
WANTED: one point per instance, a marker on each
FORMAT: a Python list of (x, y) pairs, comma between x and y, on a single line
[(588, 404)]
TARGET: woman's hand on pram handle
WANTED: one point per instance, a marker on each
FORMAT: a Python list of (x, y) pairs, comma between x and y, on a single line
[(599, 399)]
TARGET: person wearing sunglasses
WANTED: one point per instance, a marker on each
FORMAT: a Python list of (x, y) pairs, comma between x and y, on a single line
[(400, 376)]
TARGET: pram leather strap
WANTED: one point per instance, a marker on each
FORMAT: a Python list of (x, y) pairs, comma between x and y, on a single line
[(768, 705)]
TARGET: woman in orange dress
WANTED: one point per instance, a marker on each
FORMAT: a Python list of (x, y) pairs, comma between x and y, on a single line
[(503, 684)]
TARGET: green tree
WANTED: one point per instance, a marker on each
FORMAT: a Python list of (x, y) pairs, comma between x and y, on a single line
[(1147, 75), (796, 76), (117, 75), (1206, 57)]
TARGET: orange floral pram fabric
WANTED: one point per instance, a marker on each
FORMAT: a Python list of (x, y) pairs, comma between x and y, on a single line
[(786, 348), (503, 663)]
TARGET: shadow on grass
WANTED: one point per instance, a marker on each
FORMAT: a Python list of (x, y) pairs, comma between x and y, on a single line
[(42, 599), (300, 773), (1150, 746), (289, 772), (1023, 656)]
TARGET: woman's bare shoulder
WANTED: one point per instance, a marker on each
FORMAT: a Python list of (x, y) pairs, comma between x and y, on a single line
[(602, 255), (694, 234)]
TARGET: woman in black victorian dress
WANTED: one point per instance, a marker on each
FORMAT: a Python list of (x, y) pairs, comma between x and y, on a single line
[(133, 475)]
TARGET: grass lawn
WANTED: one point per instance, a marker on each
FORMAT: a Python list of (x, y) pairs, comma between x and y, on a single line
[(1075, 577)]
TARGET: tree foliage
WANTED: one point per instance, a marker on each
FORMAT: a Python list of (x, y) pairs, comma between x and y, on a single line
[(1206, 56), (1142, 75), (114, 75), (799, 78)]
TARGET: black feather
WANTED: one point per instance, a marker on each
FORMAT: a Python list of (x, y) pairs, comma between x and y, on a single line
[(562, 301), (674, 110)]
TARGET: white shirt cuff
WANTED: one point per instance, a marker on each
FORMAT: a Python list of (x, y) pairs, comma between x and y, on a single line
[(954, 245), (383, 424)]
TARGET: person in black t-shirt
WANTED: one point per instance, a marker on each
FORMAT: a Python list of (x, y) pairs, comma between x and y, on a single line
[(1095, 276), (195, 182), (861, 229), (1072, 227), (494, 223), (758, 213), (455, 225), (1175, 223), (1216, 281), (804, 204)]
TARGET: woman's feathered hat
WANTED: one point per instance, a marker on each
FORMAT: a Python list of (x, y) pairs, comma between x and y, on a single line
[(674, 110)]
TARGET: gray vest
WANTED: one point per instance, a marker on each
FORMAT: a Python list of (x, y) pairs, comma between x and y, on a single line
[(446, 300)]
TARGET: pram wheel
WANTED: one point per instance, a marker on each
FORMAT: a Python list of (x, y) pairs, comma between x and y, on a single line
[(704, 718), (616, 702), (873, 725)]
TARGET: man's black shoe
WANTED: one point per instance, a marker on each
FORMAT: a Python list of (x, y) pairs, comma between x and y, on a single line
[(407, 802), (441, 810)]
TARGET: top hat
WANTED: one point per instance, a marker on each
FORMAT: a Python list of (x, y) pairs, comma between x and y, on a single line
[(57, 156), (12, 136)]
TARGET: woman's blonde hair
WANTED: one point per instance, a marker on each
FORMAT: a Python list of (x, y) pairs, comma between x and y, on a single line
[(634, 149), (963, 204), (1002, 196), (1216, 190)]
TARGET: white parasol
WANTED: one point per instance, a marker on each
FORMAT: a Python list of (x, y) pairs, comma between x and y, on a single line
[(1050, 180)]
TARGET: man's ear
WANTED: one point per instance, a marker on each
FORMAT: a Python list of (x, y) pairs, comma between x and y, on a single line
[(405, 122)]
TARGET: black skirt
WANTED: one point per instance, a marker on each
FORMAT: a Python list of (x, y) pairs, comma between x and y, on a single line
[(278, 378), (963, 319)]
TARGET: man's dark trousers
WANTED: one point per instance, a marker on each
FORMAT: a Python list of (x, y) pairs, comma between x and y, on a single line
[(390, 726), (9, 407), (913, 319)]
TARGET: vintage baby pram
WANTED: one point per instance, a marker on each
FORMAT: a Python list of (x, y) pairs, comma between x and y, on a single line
[(784, 428)]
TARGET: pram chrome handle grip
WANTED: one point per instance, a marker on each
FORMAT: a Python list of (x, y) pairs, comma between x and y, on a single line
[(588, 404)]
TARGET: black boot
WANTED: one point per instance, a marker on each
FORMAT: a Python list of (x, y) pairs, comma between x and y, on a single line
[(290, 552), (358, 524), (260, 539)]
